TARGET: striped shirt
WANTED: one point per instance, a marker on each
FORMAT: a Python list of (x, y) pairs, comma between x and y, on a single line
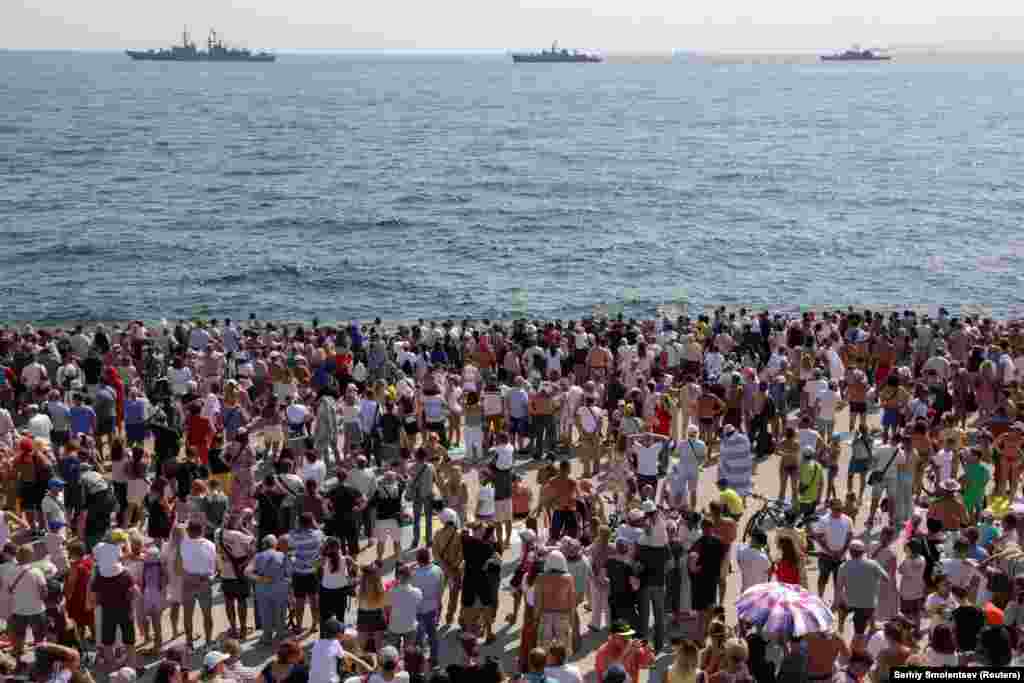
[(305, 544)]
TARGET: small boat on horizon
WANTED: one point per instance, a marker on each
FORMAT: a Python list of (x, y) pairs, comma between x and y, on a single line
[(556, 55), (856, 55)]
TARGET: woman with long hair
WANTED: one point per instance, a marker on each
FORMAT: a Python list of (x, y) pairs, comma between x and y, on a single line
[(335, 581), (372, 599), (171, 557), (159, 510)]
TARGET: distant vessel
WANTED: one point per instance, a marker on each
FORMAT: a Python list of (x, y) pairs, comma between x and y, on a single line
[(856, 55), (557, 55), (215, 51)]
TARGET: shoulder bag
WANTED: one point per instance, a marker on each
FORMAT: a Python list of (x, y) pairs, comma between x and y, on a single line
[(877, 477)]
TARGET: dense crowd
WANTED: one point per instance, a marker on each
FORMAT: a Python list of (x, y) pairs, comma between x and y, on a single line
[(148, 470)]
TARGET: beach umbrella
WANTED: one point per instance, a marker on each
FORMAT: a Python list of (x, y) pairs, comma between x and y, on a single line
[(784, 609)]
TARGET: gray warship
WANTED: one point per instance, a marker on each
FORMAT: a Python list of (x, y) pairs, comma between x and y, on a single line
[(216, 51)]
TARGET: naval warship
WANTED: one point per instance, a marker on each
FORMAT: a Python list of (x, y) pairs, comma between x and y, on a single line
[(215, 51), (556, 55), (856, 55)]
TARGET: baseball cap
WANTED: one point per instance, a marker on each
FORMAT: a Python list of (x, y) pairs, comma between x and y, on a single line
[(55, 483), (213, 658)]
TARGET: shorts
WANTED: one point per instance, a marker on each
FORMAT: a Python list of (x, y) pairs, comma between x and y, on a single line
[(305, 584), (825, 426), (911, 609), (386, 527), (494, 423), (520, 426), (858, 408), (198, 588), (862, 616), (370, 621), (827, 566), (503, 510), (643, 480), (109, 624), (105, 426), (707, 421), (890, 417), (20, 623), (235, 588), (135, 432), (858, 467)]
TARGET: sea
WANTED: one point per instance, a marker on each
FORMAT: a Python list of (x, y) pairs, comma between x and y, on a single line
[(352, 186)]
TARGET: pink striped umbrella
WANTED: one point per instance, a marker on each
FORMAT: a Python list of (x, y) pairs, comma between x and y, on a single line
[(784, 609)]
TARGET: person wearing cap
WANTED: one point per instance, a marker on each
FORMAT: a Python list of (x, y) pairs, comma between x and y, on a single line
[(859, 579), (622, 656), (213, 665), (684, 474), (51, 505), (949, 508), (448, 553)]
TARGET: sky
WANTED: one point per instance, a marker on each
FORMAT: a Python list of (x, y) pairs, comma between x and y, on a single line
[(637, 26)]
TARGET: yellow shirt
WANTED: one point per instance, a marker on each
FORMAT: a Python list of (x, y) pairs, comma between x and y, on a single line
[(732, 501), (812, 474)]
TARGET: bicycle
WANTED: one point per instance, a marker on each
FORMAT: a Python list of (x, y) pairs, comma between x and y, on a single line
[(775, 514)]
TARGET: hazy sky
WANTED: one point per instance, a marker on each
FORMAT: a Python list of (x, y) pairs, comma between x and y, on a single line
[(611, 25)]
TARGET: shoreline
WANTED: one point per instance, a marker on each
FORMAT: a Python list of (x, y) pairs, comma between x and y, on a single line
[(671, 311)]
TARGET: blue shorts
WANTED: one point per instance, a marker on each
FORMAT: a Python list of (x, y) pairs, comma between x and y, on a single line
[(890, 418), (858, 467), (520, 426)]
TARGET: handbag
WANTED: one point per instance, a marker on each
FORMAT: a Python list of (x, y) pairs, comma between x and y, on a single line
[(876, 477)]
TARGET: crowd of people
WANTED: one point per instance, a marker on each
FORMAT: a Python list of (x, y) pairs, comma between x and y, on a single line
[(151, 469)]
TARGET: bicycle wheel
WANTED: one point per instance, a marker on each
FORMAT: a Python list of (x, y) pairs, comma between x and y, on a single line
[(753, 523)]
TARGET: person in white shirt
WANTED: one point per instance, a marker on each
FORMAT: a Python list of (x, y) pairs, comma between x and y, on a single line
[(648, 448), (755, 565), (199, 564), (835, 533), (39, 424), (327, 654), (199, 339), (26, 586), (827, 401), (682, 482), (589, 421), (314, 468)]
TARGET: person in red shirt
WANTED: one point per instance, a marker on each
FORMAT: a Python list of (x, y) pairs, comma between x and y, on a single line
[(787, 567), (200, 432), (620, 648)]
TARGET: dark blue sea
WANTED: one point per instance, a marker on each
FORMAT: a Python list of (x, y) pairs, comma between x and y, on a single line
[(367, 185)]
